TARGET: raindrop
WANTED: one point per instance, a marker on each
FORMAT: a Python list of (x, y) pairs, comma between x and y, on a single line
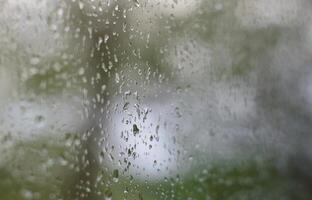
[(103, 88), (35, 60), (117, 7), (106, 37), (126, 106), (127, 93), (108, 195), (27, 194), (135, 129), (81, 5), (218, 6), (81, 71), (117, 78), (157, 129), (39, 119), (190, 158), (115, 175), (100, 41), (136, 3)]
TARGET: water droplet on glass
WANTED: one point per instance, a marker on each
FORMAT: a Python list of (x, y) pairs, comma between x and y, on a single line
[(81, 5), (115, 175), (117, 7), (108, 195), (35, 60), (100, 41), (39, 119), (81, 71), (126, 106), (135, 129), (117, 78), (136, 3), (218, 6), (106, 37), (27, 194)]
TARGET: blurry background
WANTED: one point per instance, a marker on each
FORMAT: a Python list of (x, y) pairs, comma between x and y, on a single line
[(162, 99)]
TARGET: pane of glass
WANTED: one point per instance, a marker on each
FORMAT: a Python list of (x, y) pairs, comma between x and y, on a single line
[(162, 99)]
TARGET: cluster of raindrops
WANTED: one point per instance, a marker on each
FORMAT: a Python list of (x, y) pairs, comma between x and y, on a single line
[(164, 99)]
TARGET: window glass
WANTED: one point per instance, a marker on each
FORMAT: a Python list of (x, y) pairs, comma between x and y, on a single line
[(155, 99)]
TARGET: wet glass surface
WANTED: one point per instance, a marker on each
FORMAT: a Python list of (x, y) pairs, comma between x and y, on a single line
[(162, 99)]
